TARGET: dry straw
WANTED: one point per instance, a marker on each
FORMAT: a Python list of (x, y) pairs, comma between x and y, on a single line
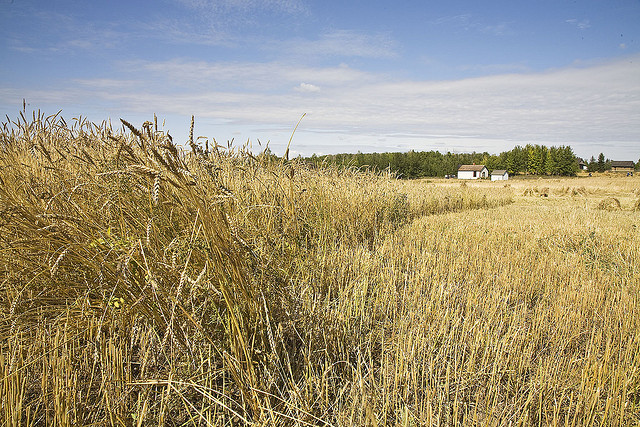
[(610, 204), (260, 291)]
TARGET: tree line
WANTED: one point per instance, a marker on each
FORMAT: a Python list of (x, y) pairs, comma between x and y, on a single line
[(530, 159), (602, 164)]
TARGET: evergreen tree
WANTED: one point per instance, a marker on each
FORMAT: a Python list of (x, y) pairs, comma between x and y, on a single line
[(551, 164), (509, 163), (520, 159), (567, 161), (601, 163)]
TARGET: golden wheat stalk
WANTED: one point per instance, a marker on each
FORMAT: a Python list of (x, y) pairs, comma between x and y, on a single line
[(56, 264), (143, 170), (156, 188)]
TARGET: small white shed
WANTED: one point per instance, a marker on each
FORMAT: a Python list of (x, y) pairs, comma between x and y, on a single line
[(499, 175), (473, 172)]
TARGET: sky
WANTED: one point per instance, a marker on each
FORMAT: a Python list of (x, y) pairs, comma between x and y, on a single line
[(458, 76)]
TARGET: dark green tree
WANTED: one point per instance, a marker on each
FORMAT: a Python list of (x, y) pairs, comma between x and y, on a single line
[(567, 161), (601, 163), (551, 164)]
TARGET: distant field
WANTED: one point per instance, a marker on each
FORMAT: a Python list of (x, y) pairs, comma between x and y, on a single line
[(144, 284)]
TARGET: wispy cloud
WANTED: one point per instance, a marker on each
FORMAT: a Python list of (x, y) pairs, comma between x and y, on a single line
[(196, 23), (580, 24), (266, 77), (217, 6), (516, 67), (461, 20), (500, 29), (226, 14), (594, 103), (185, 31), (109, 84), (212, 22), (63, 34), (469, 22), (344, 43)]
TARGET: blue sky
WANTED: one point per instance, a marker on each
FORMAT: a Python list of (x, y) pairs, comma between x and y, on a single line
[(456, 76)]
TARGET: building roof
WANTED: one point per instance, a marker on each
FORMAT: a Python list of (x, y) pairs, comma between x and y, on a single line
[(471, 168), (622, 164), (498, 172)]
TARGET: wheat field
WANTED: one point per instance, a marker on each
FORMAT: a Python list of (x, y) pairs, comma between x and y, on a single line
[(147, 283)]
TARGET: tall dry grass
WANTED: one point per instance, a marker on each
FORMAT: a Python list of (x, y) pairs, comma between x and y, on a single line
[(147, 285)]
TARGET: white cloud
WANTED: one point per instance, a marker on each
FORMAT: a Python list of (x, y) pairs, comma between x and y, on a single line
[(244, 76), (594, 104), (307, 87)]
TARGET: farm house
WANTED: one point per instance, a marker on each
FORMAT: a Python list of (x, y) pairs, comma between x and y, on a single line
[(499, 175), (622, 166), (472, 172)]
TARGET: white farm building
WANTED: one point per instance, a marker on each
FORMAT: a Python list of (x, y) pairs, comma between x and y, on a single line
[(473, 172), (499, 175)]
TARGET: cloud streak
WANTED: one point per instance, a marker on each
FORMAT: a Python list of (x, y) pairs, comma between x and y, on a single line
[(264, 77), (469, 22), (244, 6), (580, 24), (339, 43)]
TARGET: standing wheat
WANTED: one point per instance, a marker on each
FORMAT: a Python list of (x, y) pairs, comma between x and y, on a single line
[(156, 188)]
